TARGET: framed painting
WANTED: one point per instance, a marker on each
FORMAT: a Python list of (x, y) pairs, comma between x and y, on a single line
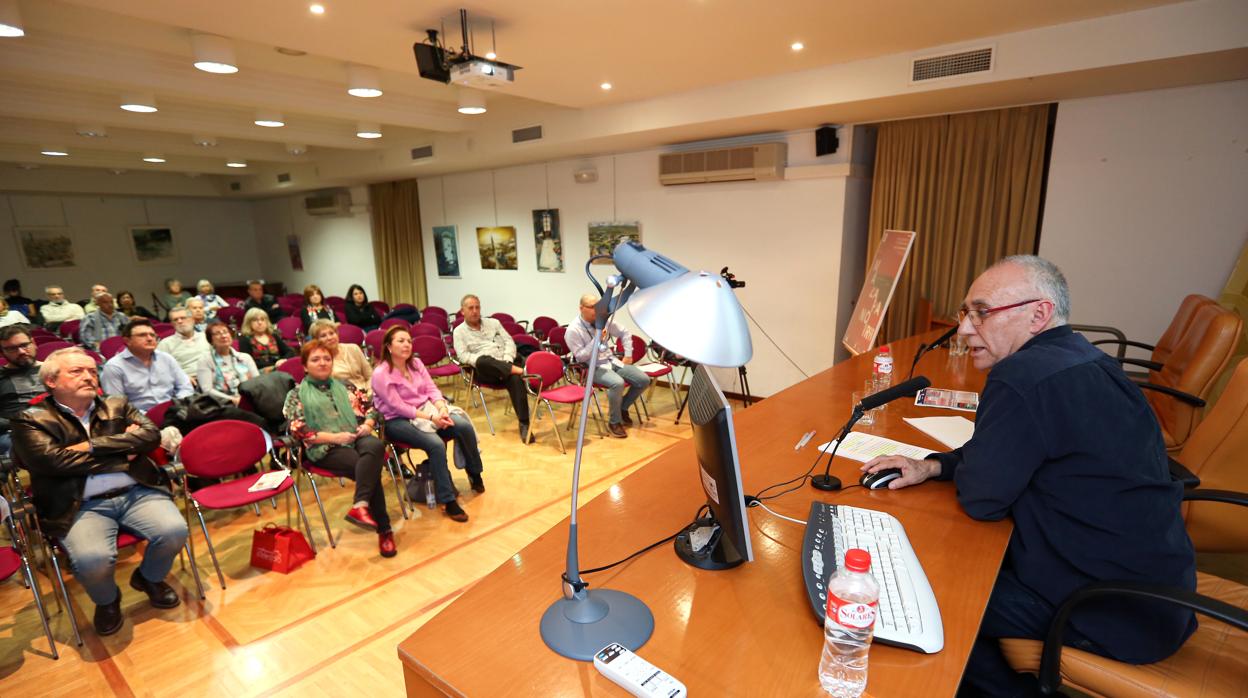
[(446, 251), (46, 248), (153, 244), (497, 246), (547, 241), (604, 237)]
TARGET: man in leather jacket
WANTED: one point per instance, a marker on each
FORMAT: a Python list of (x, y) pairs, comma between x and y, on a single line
[(90, 478)]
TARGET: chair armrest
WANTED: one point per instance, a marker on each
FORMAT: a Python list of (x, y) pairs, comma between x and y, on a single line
[(1180, 473), (1105, 329), (1126, 342), (1151, 365), (1224, 496), (174, 471), (528, 379), (1051, 656), (1178, 394)]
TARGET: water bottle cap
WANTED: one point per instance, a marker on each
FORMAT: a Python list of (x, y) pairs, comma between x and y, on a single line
[(857, 560), (884, 349)]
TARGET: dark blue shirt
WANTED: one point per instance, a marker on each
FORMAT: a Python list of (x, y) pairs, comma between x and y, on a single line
[(1067, 445)]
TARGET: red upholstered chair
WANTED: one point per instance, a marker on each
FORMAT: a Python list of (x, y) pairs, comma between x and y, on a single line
[(503, 317), (232, 316), (293, 366), (112, 346), (232, 303), (163, 329), (513, 328), (43, 350), (69, 329), (13, 559), (291, 328), (336, 302), (542, 372), (381, 307), (339, 315), (350, 334), (391, 322), (432, 353), (230, 448), (424, 329), (654, 369), (542, 325), (372, 341), (41, 335), (556, 342), (438, 321), (526, 340), (404, 306)]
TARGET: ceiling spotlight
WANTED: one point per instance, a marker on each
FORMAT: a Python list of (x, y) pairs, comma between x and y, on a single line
[(236, 163), (11, 25), (54, 151), (290, 51), (153, 157), (141, 102), (91, 131), (606, 86), (471, 102), (797, 46), (213, 54), (363, 81), (316, 9), (269, 119), (368, 130), (118, 171), (204, 141), (296, 148), (491, 56)]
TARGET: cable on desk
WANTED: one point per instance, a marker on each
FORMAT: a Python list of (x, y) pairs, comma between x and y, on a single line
[(801, 480), (759, 503), (646, 549)]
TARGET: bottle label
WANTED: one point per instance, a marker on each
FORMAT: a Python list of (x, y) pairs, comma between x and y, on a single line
[(852, 614)]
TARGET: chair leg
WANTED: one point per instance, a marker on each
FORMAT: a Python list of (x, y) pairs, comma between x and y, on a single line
[(396, 478), (304, 516), (316, 494), (256, 506), (212, 552), (69, 609), (199, 585), (554, 423), (33, 584), (485, 408)]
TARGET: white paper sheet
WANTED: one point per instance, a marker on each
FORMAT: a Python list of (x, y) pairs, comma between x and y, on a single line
[(950, 431), (863, 447)]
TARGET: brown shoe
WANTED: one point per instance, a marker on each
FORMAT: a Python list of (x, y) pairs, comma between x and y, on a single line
[(617, 431), (626, 420)]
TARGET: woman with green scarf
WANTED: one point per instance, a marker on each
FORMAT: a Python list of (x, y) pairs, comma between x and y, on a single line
[(325, 416)]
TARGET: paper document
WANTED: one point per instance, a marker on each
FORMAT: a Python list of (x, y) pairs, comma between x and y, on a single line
[(863, 447), (270, 481), (650, 366), (950, 431), (964, 400)]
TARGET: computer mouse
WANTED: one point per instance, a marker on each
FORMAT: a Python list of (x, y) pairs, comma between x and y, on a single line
[(879, 479)]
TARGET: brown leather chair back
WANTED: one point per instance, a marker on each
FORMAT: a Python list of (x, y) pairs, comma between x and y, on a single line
[(1178, 325), (1201, 354), (1217, 452)]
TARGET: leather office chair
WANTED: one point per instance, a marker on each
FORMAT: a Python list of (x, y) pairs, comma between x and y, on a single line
[(1165, 344), (1212, 661)]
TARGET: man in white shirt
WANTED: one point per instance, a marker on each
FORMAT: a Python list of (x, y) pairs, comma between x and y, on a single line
[(481, 342), (57, 309), (613, 373), (185, 344)]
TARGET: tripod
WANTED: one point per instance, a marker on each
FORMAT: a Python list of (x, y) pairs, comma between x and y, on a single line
[(747, 398)]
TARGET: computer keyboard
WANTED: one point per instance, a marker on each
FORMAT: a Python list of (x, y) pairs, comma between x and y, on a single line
[(908, 615)]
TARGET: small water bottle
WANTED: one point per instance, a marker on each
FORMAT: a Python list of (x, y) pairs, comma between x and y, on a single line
[(853, 600), (430, 499), (882, 370)]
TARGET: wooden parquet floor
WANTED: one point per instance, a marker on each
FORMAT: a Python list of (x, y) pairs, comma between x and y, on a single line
[(330, 628)]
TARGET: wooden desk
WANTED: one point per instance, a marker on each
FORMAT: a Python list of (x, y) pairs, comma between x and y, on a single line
[(744, 631)]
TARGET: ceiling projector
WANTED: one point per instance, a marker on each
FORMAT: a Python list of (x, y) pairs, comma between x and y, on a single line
[(462, 67), (478, 72)]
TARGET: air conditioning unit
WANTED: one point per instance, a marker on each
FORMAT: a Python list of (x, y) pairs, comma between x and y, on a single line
[(762, 162), (334, 203)]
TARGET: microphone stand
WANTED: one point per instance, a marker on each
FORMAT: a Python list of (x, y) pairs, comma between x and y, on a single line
[(826, 481)]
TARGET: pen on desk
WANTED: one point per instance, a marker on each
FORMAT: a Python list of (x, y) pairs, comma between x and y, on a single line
[(804, 440)]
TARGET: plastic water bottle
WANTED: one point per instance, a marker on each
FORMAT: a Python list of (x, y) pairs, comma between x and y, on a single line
[(882, 371), (853, 601)]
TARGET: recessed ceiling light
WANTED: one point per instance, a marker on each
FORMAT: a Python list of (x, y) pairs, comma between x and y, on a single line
[(296, 148), (11, 25), (54, 151), (213, 54), (606, 86), (797, 46), (368, 130), (471, 102), (269, 119), (491, 56), (236, 163), (203, 141), (363, 81), (153, 157), (316, 9), (140, 102), (91, 131)]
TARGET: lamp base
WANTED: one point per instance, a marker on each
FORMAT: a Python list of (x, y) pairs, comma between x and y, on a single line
[(578, 627), (827, 483)]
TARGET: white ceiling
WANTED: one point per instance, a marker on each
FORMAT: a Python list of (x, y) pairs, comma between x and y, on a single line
[(79, 55)]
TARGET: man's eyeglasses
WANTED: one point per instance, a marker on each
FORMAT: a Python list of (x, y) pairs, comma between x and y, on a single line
[(18, 347), (143, 335), (977, 315)]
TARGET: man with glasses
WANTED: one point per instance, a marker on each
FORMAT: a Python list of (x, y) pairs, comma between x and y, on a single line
[(145, 376), (1067, 445), (19, 378), (57, 309), (185, 345), (613, 373)]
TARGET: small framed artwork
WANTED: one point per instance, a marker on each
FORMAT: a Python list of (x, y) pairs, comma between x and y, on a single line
[(547, 240), (296, 255), (497, 246), (46, 248), (153, 244), (446, 250), (604, 237)]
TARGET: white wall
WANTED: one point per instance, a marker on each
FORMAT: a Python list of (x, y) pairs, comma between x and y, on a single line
[(782, 238), (1147, 201), (337, 251), (214, 238)]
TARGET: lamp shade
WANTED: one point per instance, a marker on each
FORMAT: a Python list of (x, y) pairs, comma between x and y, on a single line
[(11, 24), (213, 54), (697, 316)]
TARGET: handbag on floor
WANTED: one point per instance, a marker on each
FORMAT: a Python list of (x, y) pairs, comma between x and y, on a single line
[(279, 548)]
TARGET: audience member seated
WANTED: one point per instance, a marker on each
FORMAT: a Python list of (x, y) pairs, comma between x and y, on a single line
[(350, 364), (257, 298), (9, 316), (404, 312), (199, 313), (174, 295), (185, 345), (261, 343), (314, 308), (146, 377), (13, 296), (325, 415), (481, 343), (57, 309), (209, 296), (89, 479), (105, 322), (417, 415), (358, 311), (19, 378), (1065, 445), (613, 372), (223, 369), (89, 305), (128, 307)]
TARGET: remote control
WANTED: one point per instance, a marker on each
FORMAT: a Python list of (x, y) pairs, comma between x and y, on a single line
[(636, 675)]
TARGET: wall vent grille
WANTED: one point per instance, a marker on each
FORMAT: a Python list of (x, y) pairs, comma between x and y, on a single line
[(283, 178), (949, 65), (530, 133), (422, 152)]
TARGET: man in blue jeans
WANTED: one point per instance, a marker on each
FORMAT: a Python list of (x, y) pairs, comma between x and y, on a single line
[(90, 478), (613, 373)]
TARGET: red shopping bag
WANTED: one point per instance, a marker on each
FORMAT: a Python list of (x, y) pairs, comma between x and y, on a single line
[(279, 548)]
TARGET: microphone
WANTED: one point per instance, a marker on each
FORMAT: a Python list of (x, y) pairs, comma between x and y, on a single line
[(886, 396), (928, 347)]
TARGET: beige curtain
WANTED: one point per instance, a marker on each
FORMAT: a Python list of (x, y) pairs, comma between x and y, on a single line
[(969, 185), (398, 254)]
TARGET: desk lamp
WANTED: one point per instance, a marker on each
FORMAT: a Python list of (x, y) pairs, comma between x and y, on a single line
[(693, 314)]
